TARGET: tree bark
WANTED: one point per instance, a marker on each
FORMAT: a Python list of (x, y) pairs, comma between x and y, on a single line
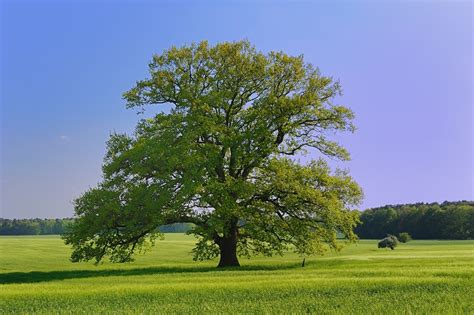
[(228, 249)]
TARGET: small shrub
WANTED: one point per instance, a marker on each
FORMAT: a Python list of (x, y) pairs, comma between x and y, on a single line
[(389, 242), (404, 237)]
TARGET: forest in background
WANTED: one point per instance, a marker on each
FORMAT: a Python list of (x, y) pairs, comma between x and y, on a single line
[(448, 220), (58, 226)]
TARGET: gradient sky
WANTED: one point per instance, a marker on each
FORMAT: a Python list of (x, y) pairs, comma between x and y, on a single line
[(405, 67)]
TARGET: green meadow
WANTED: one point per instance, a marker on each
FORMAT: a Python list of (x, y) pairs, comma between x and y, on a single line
[(419, 277)]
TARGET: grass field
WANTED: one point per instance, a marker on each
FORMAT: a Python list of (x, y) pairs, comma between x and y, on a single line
[(420, 277)]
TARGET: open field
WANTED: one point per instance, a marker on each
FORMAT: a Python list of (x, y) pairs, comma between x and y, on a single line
[(418, 277)]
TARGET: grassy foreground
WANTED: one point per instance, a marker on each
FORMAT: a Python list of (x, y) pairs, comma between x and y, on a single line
[(418, 277)]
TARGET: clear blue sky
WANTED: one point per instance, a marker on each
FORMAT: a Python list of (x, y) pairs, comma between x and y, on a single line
[(405, 66)]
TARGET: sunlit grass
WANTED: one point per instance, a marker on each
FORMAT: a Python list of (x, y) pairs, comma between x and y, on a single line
[(418, 277)]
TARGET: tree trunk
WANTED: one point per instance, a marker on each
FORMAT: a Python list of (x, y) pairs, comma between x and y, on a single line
[(228, 249)]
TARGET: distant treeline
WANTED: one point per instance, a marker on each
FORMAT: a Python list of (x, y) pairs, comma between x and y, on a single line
[(448, 220), (58, 226), (33, 226), (176, 228)]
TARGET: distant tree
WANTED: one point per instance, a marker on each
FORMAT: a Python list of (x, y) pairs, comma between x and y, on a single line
[(388, 242), (176, 228), (218, 160), (404, 237), (456, 221)]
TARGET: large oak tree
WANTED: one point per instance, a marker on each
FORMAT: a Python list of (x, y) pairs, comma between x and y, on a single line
[(223, 158)]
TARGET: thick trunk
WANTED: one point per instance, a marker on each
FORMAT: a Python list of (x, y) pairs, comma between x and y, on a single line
[(228, 253), (228, 249)]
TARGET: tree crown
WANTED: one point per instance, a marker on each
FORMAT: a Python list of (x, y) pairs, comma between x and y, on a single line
[(221, 158)]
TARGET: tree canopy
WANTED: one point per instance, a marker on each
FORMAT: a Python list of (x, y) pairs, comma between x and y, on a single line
[(223, 159)]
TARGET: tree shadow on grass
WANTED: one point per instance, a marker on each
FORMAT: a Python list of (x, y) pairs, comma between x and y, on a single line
[(46, 276)]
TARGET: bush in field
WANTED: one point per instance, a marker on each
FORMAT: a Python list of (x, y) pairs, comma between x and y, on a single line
[(404, 237), (389, 242)]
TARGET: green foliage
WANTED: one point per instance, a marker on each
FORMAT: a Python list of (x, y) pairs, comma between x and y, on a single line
[(220, 160), (33, 226), (421, 277), (59, 226), (404, 237), (448, 220), (390, 241)]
